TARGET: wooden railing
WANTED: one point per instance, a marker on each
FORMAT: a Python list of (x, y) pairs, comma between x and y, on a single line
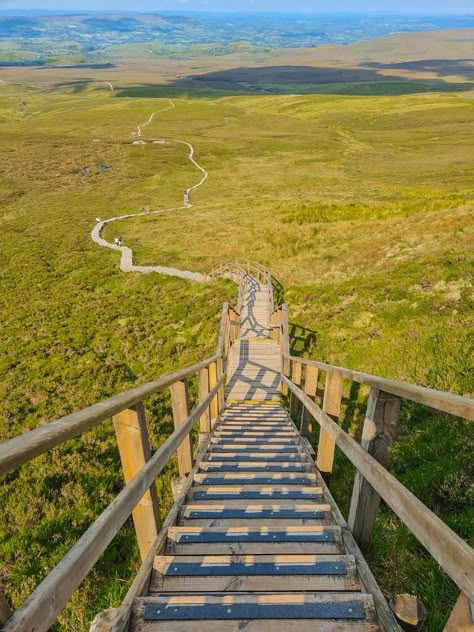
[(237, 269), (140, 466), (372, 481)]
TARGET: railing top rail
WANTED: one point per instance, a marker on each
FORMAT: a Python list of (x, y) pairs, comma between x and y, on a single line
[(454, 555), (29, 445), (440, 400)]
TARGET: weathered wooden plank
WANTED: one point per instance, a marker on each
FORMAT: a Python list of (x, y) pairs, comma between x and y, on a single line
[(216, 573), (255, 625), (270, 478), (214, 407), (205, 421), (134, 448), (310, 389), (296, 376), (331, 406), (446, 402), (251, 541), (180, 405), (378, 434)]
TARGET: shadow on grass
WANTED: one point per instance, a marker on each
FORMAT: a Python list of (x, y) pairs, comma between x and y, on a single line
[(301, 80)]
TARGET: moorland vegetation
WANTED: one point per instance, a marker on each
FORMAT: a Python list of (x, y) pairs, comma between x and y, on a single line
[(362, 206)]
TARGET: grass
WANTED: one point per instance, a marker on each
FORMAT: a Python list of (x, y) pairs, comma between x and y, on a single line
[(361, 206)]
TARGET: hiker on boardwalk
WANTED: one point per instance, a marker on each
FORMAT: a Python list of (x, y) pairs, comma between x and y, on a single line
[(186, 196), (118, 241)]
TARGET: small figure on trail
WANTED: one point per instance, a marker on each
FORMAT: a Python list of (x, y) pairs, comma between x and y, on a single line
[(85, 171), (118, 241), (146, 209), (104, 168), (98, 220), (186, 196)]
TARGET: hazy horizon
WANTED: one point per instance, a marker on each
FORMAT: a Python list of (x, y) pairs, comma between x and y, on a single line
[(308, 7)]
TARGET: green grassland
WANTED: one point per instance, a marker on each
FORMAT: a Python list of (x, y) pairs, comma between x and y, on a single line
[(361, 206)]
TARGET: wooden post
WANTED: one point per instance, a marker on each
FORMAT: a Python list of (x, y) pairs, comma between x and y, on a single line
[(331, 406), (221, 391), (214, 403), (205, 421), (179, 402), (378, 434), (134, 448), (285, 345), (310, 388), (296, 379), (462, 616)]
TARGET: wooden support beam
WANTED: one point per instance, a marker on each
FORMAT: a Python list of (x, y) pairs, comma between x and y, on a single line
[(212, 382), (180, 404), (134, 447), (296, 379), (378, 435), (462, 616), (221, 391), (310, 388), (331, 406), (205, 421)]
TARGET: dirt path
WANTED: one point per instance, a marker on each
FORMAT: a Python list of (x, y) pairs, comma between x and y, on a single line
[(126, 261)]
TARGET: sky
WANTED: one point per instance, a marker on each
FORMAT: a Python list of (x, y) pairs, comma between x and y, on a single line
[(289, 6)]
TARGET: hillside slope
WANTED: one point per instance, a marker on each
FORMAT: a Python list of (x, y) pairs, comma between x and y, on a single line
[(361, 206)]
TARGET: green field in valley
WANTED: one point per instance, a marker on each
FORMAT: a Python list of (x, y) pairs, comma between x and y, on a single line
[(362, 206)]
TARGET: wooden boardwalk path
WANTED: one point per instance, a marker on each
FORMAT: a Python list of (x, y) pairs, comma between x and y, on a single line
[(254, 541), (257, 545), (254, 363)]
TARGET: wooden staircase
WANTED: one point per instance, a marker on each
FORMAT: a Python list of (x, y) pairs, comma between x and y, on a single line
[(257, 546), (254, 541)]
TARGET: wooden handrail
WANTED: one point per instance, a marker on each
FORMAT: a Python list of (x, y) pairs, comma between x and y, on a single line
[(440, 400), (44, 604), (454, 555), (25, 447)]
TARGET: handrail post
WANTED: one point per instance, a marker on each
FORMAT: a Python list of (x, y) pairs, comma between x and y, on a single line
[(214, 407), (205, 420), (310, 389), (378, 434), (180, 405), (134, 448), (296, 379), (285, 346), (331, 406), (221, 391)]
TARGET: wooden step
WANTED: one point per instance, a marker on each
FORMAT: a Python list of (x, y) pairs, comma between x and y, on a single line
[(254, 540), (253, 466), (256, 456), (254, 478), (256, 492), (321, 612), (255, 433), (219, 439), (260, 448), (291, 513), (266, 573)]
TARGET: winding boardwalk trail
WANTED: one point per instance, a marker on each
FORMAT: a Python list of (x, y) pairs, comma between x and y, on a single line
[(126, 261)]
